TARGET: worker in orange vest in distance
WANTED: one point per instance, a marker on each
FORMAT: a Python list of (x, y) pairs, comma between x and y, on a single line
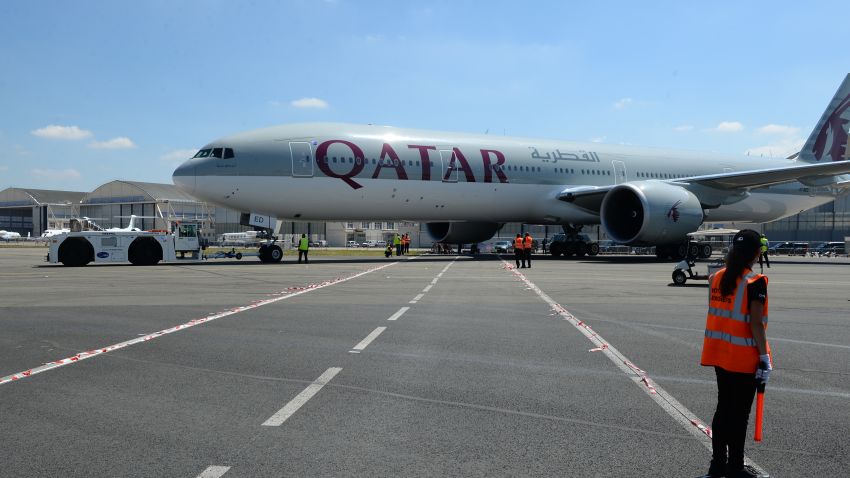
[(527, 245), (735, 344), (519, 250)]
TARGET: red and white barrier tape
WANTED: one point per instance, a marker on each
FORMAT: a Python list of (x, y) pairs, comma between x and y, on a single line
[(676, 410), (290, 292)]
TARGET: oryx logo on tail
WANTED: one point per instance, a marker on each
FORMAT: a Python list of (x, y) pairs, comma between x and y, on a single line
[(838, 126)]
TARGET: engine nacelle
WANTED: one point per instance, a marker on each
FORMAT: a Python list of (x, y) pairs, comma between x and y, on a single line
[(650, 212), (462, 232)]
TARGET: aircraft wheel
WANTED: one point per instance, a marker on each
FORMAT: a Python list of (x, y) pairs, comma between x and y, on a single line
[(275, 254), (593, 249), (680, 251), (581, 250), (679, 277), (706, 251), (693, 250), (238, 256)]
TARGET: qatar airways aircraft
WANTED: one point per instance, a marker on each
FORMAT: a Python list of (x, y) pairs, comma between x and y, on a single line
[(465, 186)]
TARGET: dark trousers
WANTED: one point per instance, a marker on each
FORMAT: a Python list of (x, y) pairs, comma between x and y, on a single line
[(735, 393), (303, 253), (763, 257), (528, 256), (398, 249), (519, 256)]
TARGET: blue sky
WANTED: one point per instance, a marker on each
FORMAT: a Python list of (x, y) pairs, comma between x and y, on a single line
[(92, 91)]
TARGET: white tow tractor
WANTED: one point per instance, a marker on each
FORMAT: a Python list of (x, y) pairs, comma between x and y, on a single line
[(83, 245), (685, 270)]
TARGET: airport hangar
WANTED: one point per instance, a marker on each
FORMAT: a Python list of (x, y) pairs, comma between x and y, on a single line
[(32, 211)]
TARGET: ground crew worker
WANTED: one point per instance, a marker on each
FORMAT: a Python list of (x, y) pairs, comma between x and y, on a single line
[(519, 250), (397, 244), (763, 255), (528, 245), (406, 243), (735, 344), (303, 248)]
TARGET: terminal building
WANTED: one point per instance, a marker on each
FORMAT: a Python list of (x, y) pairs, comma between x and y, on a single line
[(33, 211)]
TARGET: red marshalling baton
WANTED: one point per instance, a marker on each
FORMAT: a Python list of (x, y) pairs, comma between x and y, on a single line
[(759, 411)]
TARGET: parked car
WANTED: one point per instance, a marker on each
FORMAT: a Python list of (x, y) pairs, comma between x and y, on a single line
[(790, 248), (369, 243), (828, 249), (351, 244), (503, 246), (380, 243), (573, 245)]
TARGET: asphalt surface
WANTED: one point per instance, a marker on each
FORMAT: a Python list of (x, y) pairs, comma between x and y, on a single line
[(479, 377)]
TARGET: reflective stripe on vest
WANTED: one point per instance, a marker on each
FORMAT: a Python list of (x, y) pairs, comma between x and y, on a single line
[(729, 341)]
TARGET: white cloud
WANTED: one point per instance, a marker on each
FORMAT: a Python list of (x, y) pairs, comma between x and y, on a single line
[(683, 127), (178, 155), (729, 127), (780, 149), (310, 103), (61, 132), (622, 103), (114, 143), (779, 129), (56, 174), (600, 139)]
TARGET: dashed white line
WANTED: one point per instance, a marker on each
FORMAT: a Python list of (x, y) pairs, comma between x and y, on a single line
[(667, 402), (368, 340), (400, 312), (284, 413), (214, 471), (434, 281), (427, 288)]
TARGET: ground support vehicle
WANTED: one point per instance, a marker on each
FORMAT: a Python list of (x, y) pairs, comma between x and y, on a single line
[(572, 245), (684, 270), (79, 248)]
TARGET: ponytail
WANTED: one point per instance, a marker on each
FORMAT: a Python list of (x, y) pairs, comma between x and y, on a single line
[(745, 245)]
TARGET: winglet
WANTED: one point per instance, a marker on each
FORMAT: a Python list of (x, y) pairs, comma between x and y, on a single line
[(829, 139)]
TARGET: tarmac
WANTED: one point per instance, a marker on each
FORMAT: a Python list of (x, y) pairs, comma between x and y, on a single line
[(433, 365)]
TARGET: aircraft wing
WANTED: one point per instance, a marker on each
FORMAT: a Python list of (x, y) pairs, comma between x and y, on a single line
[(736, 182)]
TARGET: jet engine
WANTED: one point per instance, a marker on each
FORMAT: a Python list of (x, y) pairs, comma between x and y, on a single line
[(462, 232), (650, 212)]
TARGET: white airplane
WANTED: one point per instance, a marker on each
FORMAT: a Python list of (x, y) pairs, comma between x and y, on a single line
[(9, 236), (48, 233), (130, 227), (465, 186)]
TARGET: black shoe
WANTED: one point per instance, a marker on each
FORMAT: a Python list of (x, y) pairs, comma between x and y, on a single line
[(715, 470), (747, 472)]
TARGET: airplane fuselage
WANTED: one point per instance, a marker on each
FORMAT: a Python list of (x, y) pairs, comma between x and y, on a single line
[(342, 171)]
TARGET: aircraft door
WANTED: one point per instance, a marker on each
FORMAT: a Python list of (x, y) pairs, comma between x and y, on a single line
[(302, 159), (449, 167), (619, 172)]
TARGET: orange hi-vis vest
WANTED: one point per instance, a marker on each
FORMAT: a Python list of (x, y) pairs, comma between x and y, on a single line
[(527, 242), (518, 243), (728, 341)]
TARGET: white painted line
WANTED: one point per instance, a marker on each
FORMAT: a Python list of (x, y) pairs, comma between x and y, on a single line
[(290, 293), (440, 274), (369, 338), (417, 298), (399, 313), (427, 288), (214, 471), (284, 413), (686, 418), (434, 281)]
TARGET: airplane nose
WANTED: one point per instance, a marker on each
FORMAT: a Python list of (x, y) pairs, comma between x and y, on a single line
[(184, 177)]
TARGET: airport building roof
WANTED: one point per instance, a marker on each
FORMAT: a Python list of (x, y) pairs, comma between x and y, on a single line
[(23, 197), (119, 191)]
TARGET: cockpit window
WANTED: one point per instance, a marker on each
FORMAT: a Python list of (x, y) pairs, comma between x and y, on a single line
[(228, 153), (202, 153), (216, 152)]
